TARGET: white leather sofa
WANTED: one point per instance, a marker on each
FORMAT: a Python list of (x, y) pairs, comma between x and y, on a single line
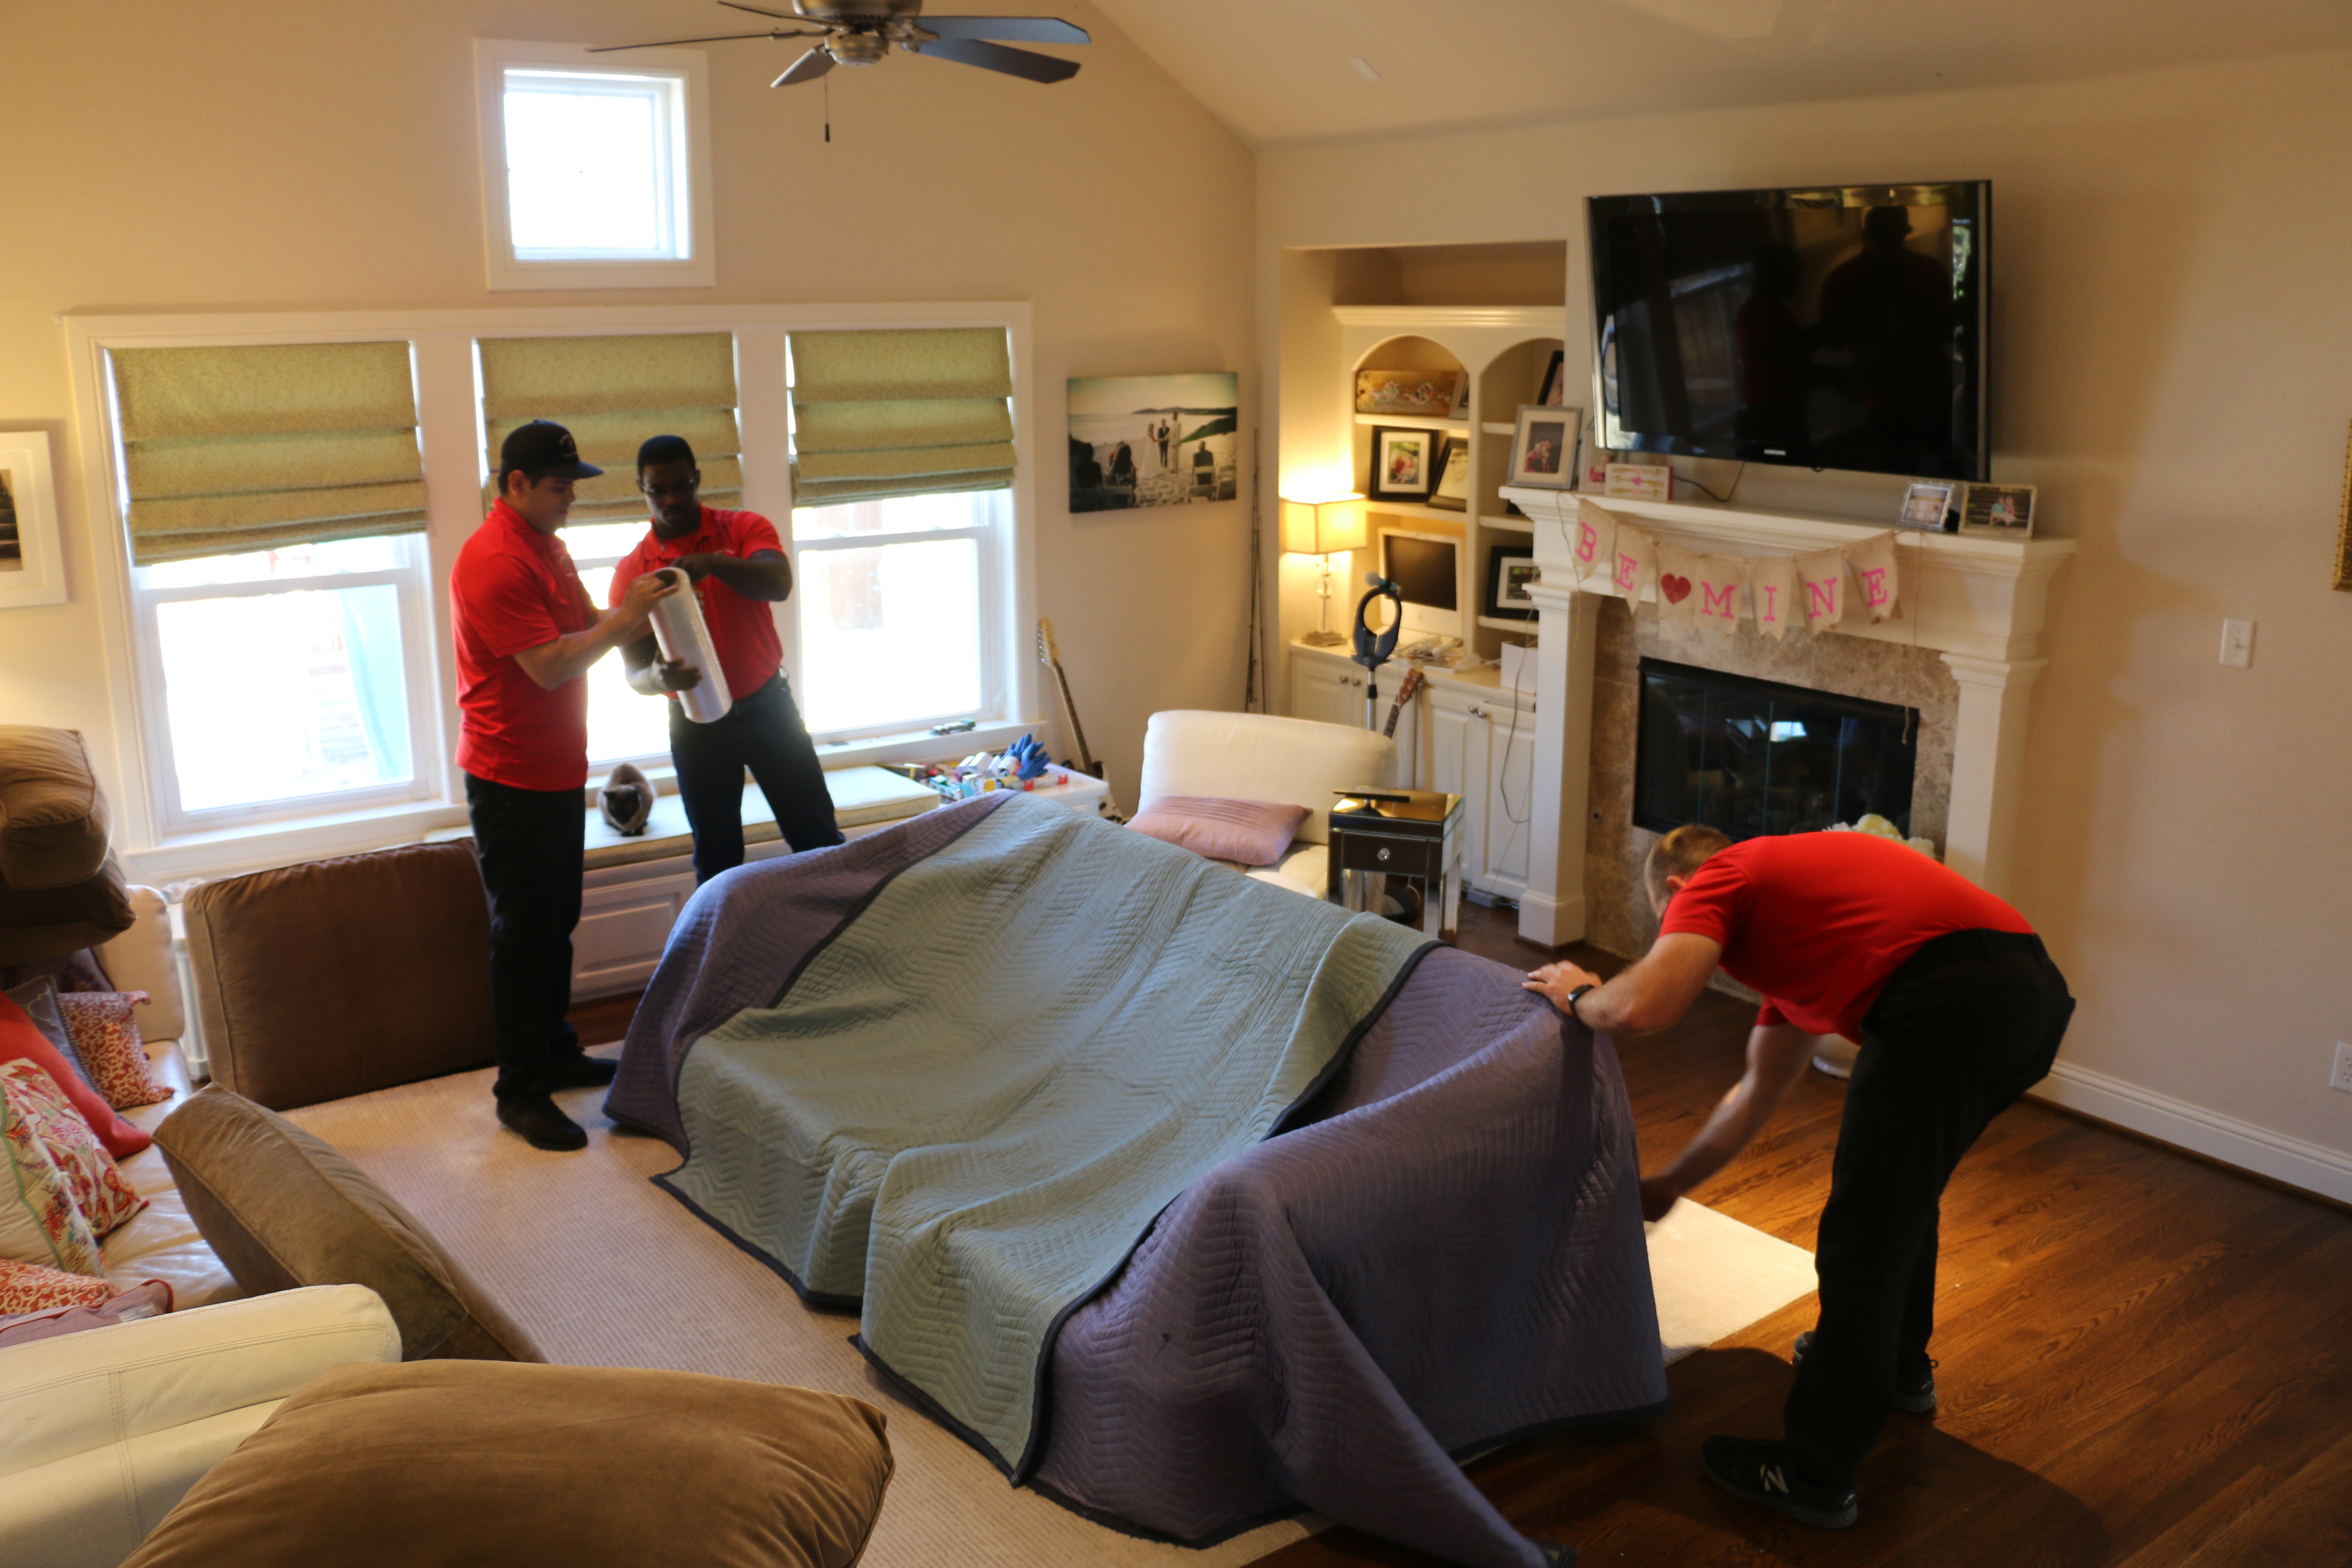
[(102, 1432), (1259, 757)]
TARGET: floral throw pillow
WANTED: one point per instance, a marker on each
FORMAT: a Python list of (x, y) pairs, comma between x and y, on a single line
[(105, 1199), (107, 1040), (33, 1288), (39, 1221)]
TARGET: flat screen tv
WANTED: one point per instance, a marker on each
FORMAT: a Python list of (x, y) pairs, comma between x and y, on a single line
[(1832, 327)]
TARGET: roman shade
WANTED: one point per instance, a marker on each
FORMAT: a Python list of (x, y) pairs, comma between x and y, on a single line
[(613, 391), (878, 414), (256, 446)]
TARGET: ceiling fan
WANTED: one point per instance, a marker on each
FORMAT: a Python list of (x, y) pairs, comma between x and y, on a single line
[(860, 32)]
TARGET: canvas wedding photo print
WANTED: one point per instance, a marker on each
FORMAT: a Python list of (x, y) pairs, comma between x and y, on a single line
[(1153, 440)]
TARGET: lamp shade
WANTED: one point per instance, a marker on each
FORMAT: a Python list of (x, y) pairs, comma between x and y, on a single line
[(1324, 527)]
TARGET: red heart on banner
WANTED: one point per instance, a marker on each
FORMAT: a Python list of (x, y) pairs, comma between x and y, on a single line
[(1676, 589)]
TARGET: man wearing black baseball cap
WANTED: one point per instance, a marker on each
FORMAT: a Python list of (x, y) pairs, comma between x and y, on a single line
[(527, 632)]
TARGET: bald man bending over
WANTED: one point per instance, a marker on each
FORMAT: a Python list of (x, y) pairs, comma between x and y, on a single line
[(1958, 1011)]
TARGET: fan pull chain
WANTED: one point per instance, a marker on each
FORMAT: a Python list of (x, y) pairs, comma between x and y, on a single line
[(826, 81)]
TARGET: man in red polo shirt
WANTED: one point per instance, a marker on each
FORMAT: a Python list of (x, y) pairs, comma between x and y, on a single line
[(527, 632), (1958, 1011), (739, 568)]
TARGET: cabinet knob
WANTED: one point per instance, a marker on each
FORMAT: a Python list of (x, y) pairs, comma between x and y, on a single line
[(1382, 856)]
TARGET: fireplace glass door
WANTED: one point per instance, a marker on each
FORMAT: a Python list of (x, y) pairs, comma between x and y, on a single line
[(1752, 757)]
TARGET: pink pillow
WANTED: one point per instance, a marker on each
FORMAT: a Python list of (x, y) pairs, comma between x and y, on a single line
[(105, 1199), (37, 1288), (106, 1038), (18, 1037), (1251, 831), (72, 1317)]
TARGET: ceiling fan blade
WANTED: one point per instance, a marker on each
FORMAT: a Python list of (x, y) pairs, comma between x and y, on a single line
[(1006, 29), (808, 68), (763, 11), (714, 39), (997, 58)]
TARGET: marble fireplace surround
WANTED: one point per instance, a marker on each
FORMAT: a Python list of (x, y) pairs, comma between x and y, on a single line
[(1966, 653)]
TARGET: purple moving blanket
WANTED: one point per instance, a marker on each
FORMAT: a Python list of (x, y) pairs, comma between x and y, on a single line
[(1445, 1252)]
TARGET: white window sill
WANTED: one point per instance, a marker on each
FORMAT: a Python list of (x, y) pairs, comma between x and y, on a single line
[(232, 851)]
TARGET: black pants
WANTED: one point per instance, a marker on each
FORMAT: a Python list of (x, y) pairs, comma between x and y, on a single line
[(1969, 1023), (764, 733), (529, 841)]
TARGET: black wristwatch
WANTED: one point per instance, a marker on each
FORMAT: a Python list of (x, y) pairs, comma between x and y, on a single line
[(1576, 995)]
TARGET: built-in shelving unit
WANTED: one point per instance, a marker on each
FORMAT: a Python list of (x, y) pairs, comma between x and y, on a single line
[(1504, 350)]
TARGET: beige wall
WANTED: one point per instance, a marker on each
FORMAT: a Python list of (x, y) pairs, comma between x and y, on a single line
[(265, 155), (2173, 349)]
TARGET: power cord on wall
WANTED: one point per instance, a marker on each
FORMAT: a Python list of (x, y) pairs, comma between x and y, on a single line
[(1723, 500)]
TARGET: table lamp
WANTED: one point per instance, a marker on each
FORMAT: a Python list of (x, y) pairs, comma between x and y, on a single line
[(1324, 528)]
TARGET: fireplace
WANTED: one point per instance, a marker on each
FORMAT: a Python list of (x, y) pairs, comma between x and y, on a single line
[(1753, 757)]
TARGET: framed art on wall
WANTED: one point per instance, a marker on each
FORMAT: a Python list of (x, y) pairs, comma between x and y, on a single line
[(1153, 440), (1404, 462), (32, 566), (1543, 449), (1510, 569)]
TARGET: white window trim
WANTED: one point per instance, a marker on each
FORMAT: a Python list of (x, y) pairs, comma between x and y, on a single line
[(413, 583), (455, 471), (992, 654), (698, 269)]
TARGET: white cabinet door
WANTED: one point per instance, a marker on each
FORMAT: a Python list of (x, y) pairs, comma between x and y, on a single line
[(1510, 804), (1323, 689), (1457, 765)]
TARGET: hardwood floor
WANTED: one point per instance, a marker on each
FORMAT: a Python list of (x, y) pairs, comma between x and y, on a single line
[(2146, 1361)]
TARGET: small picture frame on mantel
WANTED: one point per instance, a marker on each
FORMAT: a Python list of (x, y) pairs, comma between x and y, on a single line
[(1543, 447), (1928, 505), (1998, 512)]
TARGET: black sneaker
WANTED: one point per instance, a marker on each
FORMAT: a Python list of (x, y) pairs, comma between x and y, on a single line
[(542, 1125), (1915, 1393), (1763, 1470), (577, 1071)]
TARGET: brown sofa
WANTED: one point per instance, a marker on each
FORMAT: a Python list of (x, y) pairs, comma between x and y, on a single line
[(336, 977)]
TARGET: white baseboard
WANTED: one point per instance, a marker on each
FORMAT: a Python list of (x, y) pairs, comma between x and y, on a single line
[(2313, 1168), (1550, 922)]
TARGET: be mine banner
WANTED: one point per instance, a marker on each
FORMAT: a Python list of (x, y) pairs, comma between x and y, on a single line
[(1780, 594)]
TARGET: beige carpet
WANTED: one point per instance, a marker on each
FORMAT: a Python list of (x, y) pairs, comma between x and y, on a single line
[(607, 1269)]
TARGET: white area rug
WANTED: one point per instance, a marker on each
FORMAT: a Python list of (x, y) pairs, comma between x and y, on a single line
[(607, 1270)]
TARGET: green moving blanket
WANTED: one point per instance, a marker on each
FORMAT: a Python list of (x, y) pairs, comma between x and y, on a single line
[(967, 1107)]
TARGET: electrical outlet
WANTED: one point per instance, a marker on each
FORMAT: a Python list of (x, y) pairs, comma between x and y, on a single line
[(2237, 644), (2342, 1078)]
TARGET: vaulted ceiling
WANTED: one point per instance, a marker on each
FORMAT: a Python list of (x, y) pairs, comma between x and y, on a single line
[(1282, 71)]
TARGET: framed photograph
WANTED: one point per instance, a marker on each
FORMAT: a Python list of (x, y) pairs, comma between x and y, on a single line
[(1428, 394), (1404, 462), (1153, 440), (32, 566), (1510, 569), (1926, 503), (1543, 447), (1460, 407), (1554, 390), (1451, 489), (1998, 512)]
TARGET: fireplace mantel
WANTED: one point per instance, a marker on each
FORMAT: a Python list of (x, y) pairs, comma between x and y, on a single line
[(1982, 604)]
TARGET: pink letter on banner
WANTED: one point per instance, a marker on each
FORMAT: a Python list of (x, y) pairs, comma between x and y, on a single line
[(1823, 575), (1635, 551), (1721, 599), (1873, 567), (1773, 582)]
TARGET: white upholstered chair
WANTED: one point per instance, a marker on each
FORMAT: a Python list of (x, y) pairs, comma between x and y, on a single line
[(101, 1432), (1257, 756)]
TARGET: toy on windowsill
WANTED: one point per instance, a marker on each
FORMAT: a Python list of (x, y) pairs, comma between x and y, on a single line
[(1023, 765)]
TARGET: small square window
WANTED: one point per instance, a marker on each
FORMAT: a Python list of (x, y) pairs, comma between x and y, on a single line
[(595, 173)]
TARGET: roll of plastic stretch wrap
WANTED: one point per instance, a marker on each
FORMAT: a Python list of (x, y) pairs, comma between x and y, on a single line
[(680, 631)]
